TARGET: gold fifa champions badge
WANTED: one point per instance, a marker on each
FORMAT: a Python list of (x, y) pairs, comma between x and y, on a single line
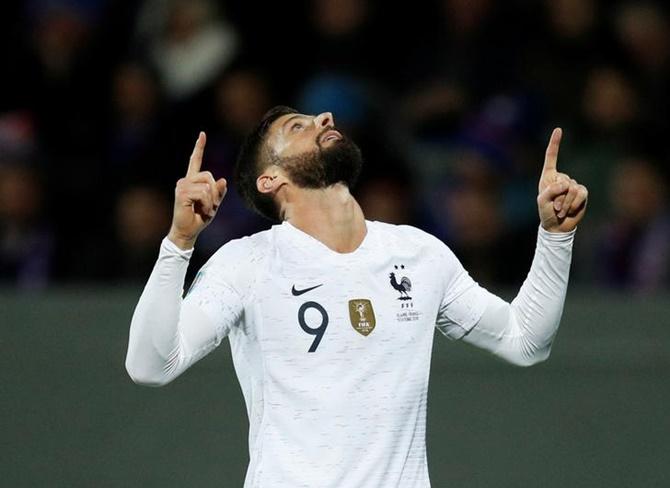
[(362, 316)]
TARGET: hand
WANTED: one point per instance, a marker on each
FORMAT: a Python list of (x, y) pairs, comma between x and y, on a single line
[(561, 201), (197, 198)]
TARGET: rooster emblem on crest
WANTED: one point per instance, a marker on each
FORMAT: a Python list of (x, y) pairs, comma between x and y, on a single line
[(403, 287)]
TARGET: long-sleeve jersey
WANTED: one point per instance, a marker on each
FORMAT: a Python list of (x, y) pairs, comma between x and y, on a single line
[(332, 351)]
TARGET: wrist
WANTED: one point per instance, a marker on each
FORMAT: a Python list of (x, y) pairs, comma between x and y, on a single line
[(557, 228), (185, 243)]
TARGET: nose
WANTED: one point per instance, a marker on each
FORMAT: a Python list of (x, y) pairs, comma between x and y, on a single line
[(324, 119)]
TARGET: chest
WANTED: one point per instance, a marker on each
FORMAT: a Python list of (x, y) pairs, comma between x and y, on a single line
[(345, 310)]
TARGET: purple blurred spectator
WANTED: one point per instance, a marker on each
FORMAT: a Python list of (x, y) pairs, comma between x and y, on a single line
[(341, 38), (633, 250), (26, 241), (60, 33), (643, 28), (610, 104), (609, 112), (241, 98), (137, 148), (387, 198), (142, 220)]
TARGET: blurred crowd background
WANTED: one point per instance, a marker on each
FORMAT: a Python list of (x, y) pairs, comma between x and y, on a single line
[(452, 103)]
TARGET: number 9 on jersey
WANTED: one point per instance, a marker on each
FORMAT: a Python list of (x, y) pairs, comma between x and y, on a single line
[(317, 332)]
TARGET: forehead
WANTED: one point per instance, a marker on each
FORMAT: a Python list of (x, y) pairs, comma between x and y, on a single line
[(278, 124), (276, 134)]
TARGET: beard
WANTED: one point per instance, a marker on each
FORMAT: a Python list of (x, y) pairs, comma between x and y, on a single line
[(325, 166)]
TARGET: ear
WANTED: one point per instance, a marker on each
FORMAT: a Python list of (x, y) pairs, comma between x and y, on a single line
[(265, 183), (270, 180)]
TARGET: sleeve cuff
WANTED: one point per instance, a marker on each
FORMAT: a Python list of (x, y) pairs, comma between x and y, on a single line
[(556, 237), (169, 248)]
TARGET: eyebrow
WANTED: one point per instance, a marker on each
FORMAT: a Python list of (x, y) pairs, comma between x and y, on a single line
[(294, 116)]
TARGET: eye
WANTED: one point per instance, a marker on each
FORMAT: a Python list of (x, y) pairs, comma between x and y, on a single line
[(296, 126)]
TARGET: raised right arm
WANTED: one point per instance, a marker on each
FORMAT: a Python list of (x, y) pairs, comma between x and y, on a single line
[(168, 334)]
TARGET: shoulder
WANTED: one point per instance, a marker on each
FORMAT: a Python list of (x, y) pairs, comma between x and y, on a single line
[(234, 266), (243, 250), (407, 235), (406, 240), (236, 263)]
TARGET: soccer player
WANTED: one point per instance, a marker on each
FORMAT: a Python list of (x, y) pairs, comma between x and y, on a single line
[(331, 317)]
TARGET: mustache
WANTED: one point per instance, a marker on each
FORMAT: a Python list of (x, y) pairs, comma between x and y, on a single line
[(326, 129)]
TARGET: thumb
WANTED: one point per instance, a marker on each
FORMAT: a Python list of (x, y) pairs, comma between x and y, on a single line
[(222, 186)]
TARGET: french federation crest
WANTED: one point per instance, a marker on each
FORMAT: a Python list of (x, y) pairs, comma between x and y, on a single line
[(362, 316), (403, 286)]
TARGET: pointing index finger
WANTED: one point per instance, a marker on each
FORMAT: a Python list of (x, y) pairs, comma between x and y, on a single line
[(551, 156), (196, 156)]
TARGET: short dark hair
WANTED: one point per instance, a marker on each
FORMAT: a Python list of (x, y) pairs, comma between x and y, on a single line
[(251, 162)]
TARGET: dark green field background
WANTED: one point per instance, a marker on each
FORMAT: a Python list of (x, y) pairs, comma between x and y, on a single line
[(597, 414)]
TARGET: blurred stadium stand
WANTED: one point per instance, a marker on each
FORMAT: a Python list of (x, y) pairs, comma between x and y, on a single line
[(452, 102)]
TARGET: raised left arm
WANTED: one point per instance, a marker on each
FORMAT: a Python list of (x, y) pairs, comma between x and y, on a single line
[(522, 332)]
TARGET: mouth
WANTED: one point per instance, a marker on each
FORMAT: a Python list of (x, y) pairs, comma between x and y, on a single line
[(330, 135)]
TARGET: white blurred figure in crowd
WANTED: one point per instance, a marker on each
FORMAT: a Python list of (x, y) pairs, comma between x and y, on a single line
[(189, 42)]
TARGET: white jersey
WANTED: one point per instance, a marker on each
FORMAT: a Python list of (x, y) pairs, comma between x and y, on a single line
[(332, 351)]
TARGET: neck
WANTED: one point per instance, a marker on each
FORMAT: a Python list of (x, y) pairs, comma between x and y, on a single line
[(330, 215)]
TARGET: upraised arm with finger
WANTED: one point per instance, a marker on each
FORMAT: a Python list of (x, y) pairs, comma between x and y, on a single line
[(523, 331), (167, 334)]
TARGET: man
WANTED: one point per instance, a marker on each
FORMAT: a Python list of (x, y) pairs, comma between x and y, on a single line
[(330, 317)]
